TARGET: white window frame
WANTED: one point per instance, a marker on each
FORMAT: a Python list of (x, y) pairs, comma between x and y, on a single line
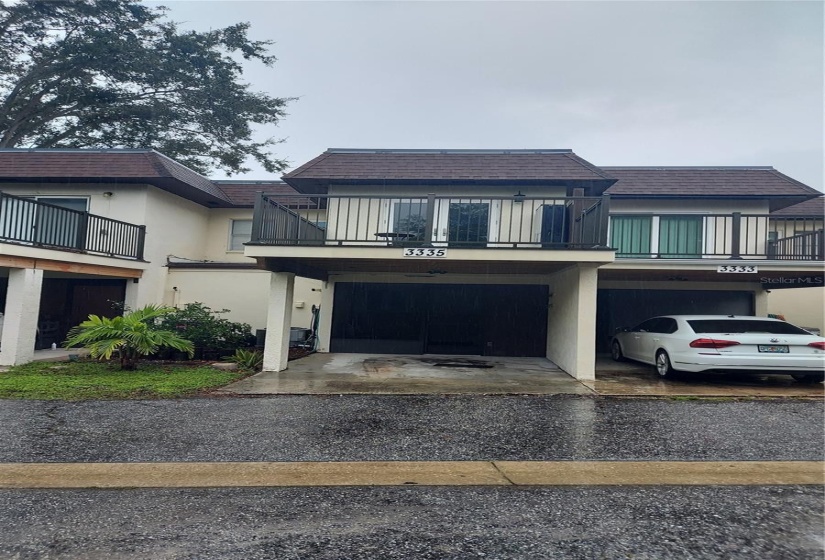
[(231, 237)]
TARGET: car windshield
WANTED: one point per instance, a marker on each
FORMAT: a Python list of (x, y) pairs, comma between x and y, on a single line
[(743, 326)]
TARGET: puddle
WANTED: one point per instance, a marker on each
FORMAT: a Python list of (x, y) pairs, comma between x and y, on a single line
[(468, 364)]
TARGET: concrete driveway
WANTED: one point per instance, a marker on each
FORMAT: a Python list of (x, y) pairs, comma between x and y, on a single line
[(635, 379), (377, 374)]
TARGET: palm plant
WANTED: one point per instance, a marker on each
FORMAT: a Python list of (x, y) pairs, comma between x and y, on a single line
[(131, 335)]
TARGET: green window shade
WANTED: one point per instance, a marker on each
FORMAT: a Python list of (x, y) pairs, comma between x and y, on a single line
[(680, 237), (630, 235)]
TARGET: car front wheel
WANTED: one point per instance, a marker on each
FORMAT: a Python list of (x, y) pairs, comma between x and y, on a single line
[(663, 366), (616, 351), (809, 377)]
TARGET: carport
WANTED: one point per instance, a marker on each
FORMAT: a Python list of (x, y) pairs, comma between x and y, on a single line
[(458, 319)]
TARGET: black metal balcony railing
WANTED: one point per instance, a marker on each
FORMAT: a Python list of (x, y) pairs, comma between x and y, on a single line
[(805, 246), (731, 236), (469, 222), (27, 221)]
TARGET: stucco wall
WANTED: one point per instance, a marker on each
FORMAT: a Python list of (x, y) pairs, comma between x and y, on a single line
[(712, 206), (804, 307), (243, 292), (127, 203), (218, 235), (174, 227)]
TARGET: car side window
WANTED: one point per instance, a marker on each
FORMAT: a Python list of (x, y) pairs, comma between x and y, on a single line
[(668, 326), (663, 325), (647, 326), (657, 325)]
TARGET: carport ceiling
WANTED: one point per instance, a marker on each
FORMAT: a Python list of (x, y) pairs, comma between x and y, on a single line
[(320, 268)]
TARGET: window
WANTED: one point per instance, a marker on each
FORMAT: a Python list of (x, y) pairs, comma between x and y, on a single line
[(409, 218), (664, 325), (240, 232), (630, 235), (680, 237)]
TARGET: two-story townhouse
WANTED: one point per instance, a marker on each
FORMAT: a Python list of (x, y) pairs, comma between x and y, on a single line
[(504, 253), (674, 227), (798, 232), (87, 231), (514, 253)]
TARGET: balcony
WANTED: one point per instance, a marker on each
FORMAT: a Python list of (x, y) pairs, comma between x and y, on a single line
[(29, 222), (716, 236), (513, 222)]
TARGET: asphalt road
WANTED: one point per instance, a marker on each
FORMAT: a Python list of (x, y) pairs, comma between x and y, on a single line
[(398, 522), (430, 428), (730, 522)]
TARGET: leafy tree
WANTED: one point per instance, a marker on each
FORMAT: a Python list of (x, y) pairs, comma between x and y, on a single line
[(131, 335), (116, 74)]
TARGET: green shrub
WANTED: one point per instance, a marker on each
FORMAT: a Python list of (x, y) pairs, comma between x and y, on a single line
[(206, 329), (130, 336), (248, 359)]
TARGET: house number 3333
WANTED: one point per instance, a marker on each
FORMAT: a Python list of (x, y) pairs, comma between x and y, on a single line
[(425, 253), (737, 268)]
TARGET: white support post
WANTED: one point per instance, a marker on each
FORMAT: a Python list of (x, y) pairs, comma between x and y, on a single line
[(20, 322), (279, 319), (760, 303), (571, 321), (130, 300), (325, 323)]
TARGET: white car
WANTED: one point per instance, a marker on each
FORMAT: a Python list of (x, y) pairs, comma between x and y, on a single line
[(725, 343)]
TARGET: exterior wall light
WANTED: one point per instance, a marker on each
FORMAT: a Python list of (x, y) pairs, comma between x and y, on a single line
[(519, 197)]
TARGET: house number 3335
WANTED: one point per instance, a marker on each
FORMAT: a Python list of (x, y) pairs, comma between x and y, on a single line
[(425, 253)]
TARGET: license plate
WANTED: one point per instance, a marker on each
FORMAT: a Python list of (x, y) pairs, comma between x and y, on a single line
[(773, 349)]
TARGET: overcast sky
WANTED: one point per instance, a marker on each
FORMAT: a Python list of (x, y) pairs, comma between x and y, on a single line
[(621, 83)]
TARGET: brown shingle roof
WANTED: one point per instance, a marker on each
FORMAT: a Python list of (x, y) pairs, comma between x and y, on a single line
[(709, 182), (455, 166), (126, 166), (813, 208), (705, 181), (244, 193)]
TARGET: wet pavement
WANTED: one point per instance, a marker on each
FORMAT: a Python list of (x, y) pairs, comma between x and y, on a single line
[(645, 523), (422, 428), (635, 379), (335, 374), (408, 521), (376, 374)]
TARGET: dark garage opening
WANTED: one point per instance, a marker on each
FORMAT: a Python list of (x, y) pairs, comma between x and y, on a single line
[(625, 308), (457, 319), (66, 302)]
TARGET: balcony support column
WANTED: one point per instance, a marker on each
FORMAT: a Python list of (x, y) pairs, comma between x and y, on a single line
[(20, 322), (325, 320), (279, 319), (571, 321)]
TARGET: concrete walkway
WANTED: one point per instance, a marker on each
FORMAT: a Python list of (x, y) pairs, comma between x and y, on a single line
[(321, 374)]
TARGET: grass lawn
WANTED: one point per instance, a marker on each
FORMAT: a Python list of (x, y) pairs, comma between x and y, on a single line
[(84, 380)]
